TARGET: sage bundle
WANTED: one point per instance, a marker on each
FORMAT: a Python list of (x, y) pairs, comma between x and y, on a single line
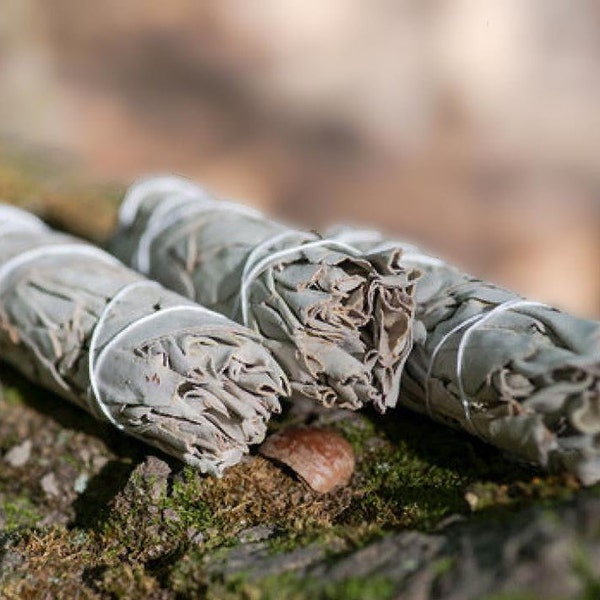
[(153, 364), (338, 321), (519, 374)]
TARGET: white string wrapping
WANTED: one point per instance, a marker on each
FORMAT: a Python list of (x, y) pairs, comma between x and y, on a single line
[(160, 220), (416, 257), (14, 219), (173, 210), (472, 323), (358, 236), (41, 252), (183, 200), (11, 265), (138, 192), (96, 397), (93, 332), (8, 268), (420, 259), (254, 265), (96, 358), (410, 253)]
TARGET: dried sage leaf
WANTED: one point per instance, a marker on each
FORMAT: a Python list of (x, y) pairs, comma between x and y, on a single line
[(157, 366), (337, 320), (519, 374)]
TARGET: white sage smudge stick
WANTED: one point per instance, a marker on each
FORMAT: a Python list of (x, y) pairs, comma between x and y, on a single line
[(153, 364), (338, 321), (520, 375)]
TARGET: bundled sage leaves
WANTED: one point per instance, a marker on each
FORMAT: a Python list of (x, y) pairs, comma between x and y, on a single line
[(338, 321), (518, 374), (153, 364)]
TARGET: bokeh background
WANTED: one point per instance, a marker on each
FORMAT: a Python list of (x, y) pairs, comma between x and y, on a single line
[(469, 126)]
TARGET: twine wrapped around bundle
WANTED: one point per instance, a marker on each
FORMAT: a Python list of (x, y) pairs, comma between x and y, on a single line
[(520, 375), (153, 364), (338, 321)]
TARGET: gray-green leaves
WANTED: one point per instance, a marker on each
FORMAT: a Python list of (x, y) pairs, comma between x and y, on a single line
[(161, 368), (338, 321), (518, 374)]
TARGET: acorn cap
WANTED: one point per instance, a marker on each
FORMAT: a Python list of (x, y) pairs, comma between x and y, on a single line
[(321, 457)]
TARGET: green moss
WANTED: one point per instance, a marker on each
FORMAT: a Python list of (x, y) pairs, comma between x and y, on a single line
[(373, 588), (129, 581), (185, 501), (286, 541), (546, 491), (358, 431), (294, 587), (515, 596), (398, 486), (413, 473), (587, 572), (19, 513), (12, 396), (443, 565), (152, 522), (48, 561), (156, 533), (188, 577), (343, 537)]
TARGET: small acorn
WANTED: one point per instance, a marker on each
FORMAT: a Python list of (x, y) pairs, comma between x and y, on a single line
[(321, 457)]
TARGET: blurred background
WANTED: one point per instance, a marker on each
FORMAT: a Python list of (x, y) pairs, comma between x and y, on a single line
[(469, 126)]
